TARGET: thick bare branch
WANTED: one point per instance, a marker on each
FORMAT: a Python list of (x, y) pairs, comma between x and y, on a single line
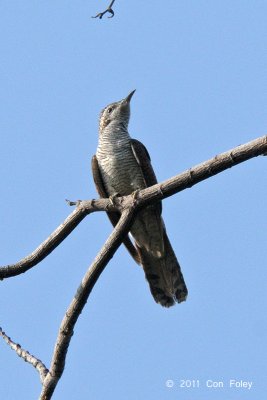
[(203, 171), (80, 299), (108, 10), (154, 193), (128, 206), (26, 356)]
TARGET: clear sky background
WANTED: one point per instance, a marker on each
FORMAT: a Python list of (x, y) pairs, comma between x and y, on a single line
[(199, 70)]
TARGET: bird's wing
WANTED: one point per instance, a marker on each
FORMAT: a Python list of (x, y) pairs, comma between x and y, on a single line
[(143, 158), (113, 217), (98, 178), (163, 274)]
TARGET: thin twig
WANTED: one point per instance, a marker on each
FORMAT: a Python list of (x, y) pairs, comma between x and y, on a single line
[(152, 194), (26, 356), (80, 299), (108, 10)]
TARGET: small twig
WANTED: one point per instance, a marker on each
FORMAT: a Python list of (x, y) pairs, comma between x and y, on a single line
[(26, 356), (72, 203), (108, 10), (67, 325)]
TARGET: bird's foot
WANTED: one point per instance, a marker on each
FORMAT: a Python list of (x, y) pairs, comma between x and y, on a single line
[(113, 198), (160, 191), (135, 194)]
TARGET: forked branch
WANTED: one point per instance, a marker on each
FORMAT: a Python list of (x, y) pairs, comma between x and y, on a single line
[(152, 194), (108, 10), (127, 206), (49, 378), (67, 325)]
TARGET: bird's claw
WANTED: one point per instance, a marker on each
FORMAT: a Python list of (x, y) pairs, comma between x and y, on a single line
[(160, 191), (113, 197), (135, 194)]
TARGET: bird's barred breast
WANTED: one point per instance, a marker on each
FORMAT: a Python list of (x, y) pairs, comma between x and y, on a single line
[(120, 171)]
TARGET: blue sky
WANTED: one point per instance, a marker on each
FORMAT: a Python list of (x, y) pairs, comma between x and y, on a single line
[(199, 70)]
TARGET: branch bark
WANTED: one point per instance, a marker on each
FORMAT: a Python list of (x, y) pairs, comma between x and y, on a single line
[(127, 206), (144, 197), (26, 356), (56, 237), (67, 325)]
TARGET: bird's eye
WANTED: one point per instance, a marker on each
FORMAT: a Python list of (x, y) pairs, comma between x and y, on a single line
[(110, 109)]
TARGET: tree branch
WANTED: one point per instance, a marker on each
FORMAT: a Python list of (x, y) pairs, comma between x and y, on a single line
[(144, 197), (127, 206), (108, 10), (80, 299), (203, 171), (45, 248), (26, 356)]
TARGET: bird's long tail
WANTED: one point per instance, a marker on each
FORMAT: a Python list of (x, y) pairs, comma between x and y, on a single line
[(164, 275)]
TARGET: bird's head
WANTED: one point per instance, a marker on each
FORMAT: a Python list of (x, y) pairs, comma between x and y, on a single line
[(116, 113)]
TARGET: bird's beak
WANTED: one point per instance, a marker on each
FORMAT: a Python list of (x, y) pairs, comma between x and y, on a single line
[(130, 95)]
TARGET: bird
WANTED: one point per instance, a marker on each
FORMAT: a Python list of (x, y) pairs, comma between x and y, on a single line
[(120, 167)]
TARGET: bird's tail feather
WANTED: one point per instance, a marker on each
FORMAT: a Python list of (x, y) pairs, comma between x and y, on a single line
[(164, 275)]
